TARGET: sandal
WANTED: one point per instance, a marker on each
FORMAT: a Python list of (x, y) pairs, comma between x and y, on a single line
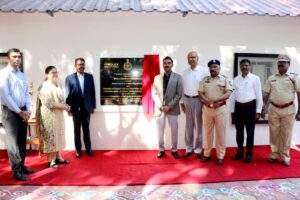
[(59, 161), (53, 165)]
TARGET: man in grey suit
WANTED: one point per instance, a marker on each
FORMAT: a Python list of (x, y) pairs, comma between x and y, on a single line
[(167, 91)]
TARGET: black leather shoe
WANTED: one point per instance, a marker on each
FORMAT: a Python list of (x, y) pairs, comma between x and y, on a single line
[(272, 160), (220, 162), (26, 170), (237, 156), (78, 154), (187, 154), (175, 155), (198, 156), (205, 159), (61, 161), (90, 153), (20, 176), (248, 159), (160, 154)]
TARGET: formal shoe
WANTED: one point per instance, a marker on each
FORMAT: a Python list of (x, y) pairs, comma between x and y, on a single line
[(220, 162), (248, 159), (272, 160), (160, 154), (78, 154), (205, 159), (175, 155), (62, 161), (187, 154), (237, 156), (20, 176), (285, 163), (26, 170), (198, 156), (53, 165), (90, 153)]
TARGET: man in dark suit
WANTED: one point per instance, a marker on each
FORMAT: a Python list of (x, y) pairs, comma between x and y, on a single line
[(167, 91), (80, 94)]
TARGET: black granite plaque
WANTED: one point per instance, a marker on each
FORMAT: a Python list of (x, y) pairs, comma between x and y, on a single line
[(121, 81)]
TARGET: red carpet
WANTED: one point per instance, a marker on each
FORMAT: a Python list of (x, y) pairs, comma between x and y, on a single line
[(109, 168)]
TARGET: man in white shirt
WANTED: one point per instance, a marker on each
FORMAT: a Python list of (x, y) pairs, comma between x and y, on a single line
[(246, 105), (15, 104), (192, 106)]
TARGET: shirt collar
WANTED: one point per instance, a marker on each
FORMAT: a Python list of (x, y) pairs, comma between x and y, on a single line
[(247, 76), (11, 69), (217, 77), (196, 68), (286, 74), (168, 74), (79, 75)]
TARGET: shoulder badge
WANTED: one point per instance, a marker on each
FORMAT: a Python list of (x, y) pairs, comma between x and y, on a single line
[(292, 77)]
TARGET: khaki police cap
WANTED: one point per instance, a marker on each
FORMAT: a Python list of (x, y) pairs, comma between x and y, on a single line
[(283, 57)]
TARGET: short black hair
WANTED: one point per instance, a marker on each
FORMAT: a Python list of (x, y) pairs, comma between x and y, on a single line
[(49, 68), (245, 61), (168, 58), (12, 50), (81, 59)]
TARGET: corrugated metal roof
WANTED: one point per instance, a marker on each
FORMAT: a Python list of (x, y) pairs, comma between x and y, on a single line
[(250, 7)]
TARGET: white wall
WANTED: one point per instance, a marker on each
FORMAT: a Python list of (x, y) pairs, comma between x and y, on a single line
[(60, 39)]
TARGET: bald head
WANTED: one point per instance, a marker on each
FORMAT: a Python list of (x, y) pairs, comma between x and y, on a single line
[(193, 59)]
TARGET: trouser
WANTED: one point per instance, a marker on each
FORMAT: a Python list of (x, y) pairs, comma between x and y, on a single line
[(82, 118), (214, 119), (245, 116), (281, 121), (193, 124), (161, 122), (16, 133)]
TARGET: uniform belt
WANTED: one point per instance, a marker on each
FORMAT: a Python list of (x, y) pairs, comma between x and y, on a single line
[(221, 103), (4, 107), (192, 97), (282, 105), (250, 103)]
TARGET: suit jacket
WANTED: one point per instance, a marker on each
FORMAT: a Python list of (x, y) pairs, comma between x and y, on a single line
[(173, 94), (74, 93)]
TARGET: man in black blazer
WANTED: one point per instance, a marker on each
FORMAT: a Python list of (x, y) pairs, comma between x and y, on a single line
[(80, 95)]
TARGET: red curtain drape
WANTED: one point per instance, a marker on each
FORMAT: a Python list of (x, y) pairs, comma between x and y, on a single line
[(150, 70)]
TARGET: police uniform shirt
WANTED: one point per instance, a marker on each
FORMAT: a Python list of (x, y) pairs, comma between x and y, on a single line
[(282, 88), (214, 87)]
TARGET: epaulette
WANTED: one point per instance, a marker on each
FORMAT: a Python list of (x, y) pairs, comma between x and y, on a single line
[(224, 76), (292, 78)]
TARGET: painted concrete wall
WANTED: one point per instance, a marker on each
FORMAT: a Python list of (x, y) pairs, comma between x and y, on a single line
[(60, 39)]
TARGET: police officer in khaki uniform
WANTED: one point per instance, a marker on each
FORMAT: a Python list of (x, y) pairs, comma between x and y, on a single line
[(280, 89), (213, 92)]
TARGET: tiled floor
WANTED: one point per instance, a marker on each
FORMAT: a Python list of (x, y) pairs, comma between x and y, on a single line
[(283, 189)]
